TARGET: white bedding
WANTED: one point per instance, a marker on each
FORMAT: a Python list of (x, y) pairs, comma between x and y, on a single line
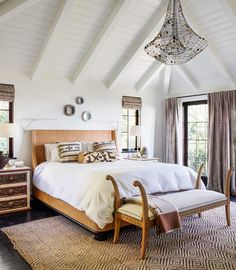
[(84, 185)]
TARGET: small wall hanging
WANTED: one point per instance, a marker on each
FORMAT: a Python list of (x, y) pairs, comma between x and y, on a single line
[(86, 116), (79, 100), (69, 110)]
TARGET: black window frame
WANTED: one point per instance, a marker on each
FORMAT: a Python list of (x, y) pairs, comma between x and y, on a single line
[(11, 120), (185, 129), (137, 122)]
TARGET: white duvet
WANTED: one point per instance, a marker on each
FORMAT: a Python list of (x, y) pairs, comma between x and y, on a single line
[(85, 187)]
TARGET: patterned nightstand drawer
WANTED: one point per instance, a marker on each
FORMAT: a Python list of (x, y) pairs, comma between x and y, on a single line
[(13, 204), (13, 191), (13, 178)]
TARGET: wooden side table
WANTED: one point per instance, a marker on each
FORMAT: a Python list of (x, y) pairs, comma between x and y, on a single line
[(14, 189)]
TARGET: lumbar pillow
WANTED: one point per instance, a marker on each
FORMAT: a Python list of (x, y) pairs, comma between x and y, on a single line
[(68, 151), (105, 146), (94, 157)]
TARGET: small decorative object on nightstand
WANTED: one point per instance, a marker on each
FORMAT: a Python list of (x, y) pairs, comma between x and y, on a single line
[(14, 189), (144, 152)]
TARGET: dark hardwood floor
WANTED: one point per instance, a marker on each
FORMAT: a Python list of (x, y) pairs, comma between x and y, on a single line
[(9, 257)]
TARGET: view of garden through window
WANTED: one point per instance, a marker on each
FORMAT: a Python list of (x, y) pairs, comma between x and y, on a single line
[(197, 118), (4, 118)]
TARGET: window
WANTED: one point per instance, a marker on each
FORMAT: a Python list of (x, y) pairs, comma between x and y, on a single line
[(6, 116), (195, 134), (130, 117)]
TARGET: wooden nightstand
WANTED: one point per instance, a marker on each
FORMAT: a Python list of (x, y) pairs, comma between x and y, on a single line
[(14, 189)]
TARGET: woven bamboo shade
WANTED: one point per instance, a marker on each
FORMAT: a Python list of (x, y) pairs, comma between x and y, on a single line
[(133, 103), (7, 92)]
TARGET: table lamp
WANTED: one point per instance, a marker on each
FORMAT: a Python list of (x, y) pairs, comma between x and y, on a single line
[(7, 130), (137, 132)]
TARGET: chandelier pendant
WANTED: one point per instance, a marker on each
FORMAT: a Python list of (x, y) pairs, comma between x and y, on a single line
[(176, 43)]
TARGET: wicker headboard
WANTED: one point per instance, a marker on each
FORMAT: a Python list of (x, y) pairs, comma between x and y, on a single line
[(40, 137)]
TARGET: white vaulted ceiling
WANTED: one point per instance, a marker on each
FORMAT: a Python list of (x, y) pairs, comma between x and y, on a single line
[(103, 40)]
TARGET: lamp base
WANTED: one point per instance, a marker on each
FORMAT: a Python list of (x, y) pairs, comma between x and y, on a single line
[(3, 160)]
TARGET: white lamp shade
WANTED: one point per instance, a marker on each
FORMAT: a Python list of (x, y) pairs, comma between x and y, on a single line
[(8, 130), (136, 131)]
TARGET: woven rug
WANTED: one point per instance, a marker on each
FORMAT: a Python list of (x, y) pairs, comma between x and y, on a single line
[(58, 243)]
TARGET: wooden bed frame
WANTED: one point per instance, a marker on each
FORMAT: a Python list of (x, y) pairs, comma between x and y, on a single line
[(41, 137)]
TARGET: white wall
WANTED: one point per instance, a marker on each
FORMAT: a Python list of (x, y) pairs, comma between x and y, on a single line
[(46, 98)]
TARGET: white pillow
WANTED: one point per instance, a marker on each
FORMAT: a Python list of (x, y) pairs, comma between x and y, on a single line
[(87, 147), (51, 152)]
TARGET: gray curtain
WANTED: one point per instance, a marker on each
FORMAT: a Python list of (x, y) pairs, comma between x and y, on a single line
[(171, 130), (221, 138)]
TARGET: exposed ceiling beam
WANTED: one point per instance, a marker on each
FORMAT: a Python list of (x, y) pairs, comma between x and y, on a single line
[(115, 17), (10, 8), (166, 81), (212, 51), (186, 76), (60, 19), (229, 8), (149, 32), (152, 73), (220, 65)]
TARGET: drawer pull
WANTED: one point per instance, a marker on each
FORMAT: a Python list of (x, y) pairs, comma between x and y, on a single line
[(11, 204)]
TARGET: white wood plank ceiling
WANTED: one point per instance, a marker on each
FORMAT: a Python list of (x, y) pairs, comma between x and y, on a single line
[(103, 40)]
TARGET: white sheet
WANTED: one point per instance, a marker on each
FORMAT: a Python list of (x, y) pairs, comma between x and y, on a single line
[(84, 185)]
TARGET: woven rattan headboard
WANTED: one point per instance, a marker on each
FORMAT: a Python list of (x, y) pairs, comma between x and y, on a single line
[(40, 137)]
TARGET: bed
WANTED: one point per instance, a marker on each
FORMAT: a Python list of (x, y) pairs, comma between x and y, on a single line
[(68, 187)]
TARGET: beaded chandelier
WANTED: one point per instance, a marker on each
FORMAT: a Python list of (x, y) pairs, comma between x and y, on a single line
[(176, 43)]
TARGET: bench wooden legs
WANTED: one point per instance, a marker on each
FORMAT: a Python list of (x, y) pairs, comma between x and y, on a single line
[(227, 212), (144, 241), (117, 229)]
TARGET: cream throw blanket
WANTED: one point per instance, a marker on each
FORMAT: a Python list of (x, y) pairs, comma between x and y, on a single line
[(166, 213)]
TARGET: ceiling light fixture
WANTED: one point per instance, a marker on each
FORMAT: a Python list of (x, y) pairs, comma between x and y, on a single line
[(176, 43)]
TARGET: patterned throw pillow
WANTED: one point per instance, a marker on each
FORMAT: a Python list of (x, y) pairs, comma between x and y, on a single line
[(105, 146), (94, 157), (68, 151)]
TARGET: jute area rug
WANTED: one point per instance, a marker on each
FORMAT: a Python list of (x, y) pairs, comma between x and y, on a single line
[(58, 243)]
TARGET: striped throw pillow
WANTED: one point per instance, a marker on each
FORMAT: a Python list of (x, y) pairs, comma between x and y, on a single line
[(105, 146), (68, 151), (95, 157)]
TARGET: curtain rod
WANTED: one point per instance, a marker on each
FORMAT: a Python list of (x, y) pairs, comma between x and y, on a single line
[(192, 95)]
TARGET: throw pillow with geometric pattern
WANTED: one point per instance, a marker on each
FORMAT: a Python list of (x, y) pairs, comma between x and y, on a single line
[(96, 157), (68, 151)]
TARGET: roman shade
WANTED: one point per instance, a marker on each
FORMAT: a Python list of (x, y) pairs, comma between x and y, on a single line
[(133, 103), (7, 92)]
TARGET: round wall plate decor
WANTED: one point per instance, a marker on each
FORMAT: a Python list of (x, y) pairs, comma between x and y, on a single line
[(86, 116), (69, 110), (79, 100)]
